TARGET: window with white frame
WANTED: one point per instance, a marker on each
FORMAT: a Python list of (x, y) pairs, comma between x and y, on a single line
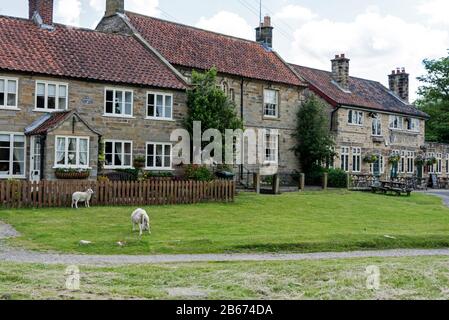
[(376, 126), (271, 103), (412, 124), (159, 156), (447, 163), (71, 152), (402, 162), (410, 162), (271, 146), (51, 96), (355, 117), (12, 155), (439, 165), (118, 154), (344, 159), (396, 122), (159, 106), (356, 159), (8, 93), (431, 168), (118, 103)]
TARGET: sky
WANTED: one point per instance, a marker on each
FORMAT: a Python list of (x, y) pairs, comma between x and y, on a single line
[(378, 36)]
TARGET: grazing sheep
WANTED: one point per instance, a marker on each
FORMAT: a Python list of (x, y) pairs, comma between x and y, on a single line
[(82, 197), (141, 218)]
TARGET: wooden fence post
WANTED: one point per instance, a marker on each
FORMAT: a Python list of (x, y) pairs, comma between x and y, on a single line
[(325, 180), (348, 181), (257, 182), (302, 182), (276, 184)]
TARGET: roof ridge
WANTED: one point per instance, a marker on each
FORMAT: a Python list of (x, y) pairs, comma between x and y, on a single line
[(195, 28)]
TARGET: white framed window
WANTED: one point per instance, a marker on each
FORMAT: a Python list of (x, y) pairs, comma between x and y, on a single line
[(431, 168), (118, 154), (51, 96), (410, 162), (355, 117), (271, 146), (271, 103), (447, 163), (376, 126), (118, 103), (159, 106), (159, 156), (356, 159), (12, 155), (8, 93), (380, 162), (439, 165), (412, 124), (396, 122), (71, 152), (402, 162), (344, 159)]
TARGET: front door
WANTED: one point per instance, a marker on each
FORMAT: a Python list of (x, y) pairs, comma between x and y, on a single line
[(35, 158)]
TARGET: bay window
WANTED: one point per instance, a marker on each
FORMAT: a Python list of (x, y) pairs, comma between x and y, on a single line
[(51, 96), (8, 93), (159, 156), (159, 106), (118, 154), (118, 103), (12, 155), (271, 103), (71, 152)]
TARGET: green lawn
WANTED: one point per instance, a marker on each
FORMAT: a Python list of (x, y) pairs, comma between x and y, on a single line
[(404, 278), (314, 221)]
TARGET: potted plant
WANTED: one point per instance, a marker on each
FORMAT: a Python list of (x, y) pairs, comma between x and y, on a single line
[(394, 159), (420, 160), (431, 161), (72, 174), (139, 162), (370, 158)]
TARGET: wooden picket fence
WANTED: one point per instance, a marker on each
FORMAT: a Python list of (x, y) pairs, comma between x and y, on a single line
[(47, 194)]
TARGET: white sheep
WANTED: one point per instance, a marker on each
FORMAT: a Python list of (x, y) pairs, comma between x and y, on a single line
[(82, 197), (140, 217)]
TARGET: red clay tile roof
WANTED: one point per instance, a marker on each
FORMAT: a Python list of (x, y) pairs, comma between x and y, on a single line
[(80, 53), (51, 121), (194, 48), (363, 93)]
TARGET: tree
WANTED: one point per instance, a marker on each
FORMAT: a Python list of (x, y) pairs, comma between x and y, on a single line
[(434, 99), (210, 105), (313, 137)]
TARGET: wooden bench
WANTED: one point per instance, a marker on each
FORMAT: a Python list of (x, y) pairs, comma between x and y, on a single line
[(392, 187)]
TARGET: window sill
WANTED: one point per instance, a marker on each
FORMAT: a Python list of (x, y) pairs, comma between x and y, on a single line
[(355, 125), (118, 116), (11, 177), (117, 167), (49, 110), (160, 119), (73, 168), (9, 109), (158, 169), (275, 118)]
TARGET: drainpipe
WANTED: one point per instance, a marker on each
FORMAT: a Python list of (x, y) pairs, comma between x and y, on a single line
[(332, 116), (241, 115)]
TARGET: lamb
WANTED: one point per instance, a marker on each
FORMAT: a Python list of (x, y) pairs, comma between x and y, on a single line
[(140, 217), (82, 197)]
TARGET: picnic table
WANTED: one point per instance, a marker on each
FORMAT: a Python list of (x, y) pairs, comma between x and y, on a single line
[(395, 187)]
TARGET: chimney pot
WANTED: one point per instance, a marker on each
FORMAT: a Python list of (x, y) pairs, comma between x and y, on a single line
[(267, 21), (44, 8), (264, 32), (399, 83)]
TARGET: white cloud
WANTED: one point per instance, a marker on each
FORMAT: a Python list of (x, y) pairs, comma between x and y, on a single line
[(228, 23), (68, 12), (436, 10), (98, 5), (294, 15), (375, 43)]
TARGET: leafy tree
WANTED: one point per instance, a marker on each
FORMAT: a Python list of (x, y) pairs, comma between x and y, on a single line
[(314, 140), (434, 99), (210, 105)]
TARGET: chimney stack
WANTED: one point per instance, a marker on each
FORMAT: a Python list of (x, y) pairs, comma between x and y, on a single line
[(41, 11), (264, 33), (399, 83), (340, 71), (114, 6)]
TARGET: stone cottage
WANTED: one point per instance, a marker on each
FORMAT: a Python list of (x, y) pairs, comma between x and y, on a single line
[(65, 89), (368, 120)]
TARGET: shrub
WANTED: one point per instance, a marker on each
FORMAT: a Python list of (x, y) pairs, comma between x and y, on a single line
[(315, 176), (198, 173), (129, 174), (337, 178), (151, 174)]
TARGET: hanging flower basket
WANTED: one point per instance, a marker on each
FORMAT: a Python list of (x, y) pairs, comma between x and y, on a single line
[(72, 174), (394, 159), (431, 161), (371, 158), (420, 160)]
